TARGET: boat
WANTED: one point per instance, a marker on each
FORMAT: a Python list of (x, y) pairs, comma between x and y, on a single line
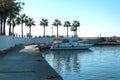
[(67, 44)]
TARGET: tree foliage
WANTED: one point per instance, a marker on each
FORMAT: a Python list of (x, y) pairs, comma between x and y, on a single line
[(57, 23), (8, 10), (74, 27), (67, 24), (30, 22), (21, 19), (44, 23)]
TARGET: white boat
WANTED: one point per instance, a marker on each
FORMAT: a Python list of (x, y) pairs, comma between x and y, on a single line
[(66, 44)]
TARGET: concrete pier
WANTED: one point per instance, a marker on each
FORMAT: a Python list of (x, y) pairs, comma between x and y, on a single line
[(26, 63)]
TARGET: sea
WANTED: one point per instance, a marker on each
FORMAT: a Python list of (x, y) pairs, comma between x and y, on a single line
[(97, 63)]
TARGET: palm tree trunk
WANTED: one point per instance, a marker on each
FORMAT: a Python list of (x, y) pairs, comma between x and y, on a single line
[(57, 31), (76, 34), (13, 31), (67, 31), (29, 31), (22, 30), (1, 26), (4, 28), (52, 31), (10, 27), (44, 32)]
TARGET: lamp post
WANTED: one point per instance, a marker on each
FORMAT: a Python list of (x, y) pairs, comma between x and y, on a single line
[(52, 30)]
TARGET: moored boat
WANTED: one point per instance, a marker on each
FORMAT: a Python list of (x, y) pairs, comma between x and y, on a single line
[(66, 44)]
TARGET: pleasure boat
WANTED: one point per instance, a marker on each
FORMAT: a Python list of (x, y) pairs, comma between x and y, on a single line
[(67, 44)]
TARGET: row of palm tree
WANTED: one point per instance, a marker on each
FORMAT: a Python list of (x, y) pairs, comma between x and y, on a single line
[(23, 19), (9, 9), (29, 22), (9, 12), (44, 23)]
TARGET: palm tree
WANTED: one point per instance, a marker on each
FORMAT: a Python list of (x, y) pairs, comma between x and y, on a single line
[(13, 24), (74, 27), (1, 21), (14, 11), (67, 24), (7, 9), (21, 19), (4, 14), (1, 17), (44, 23), (30, 22), (57, 23)]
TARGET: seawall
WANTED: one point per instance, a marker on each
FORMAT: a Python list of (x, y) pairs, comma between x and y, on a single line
[(7, 42)]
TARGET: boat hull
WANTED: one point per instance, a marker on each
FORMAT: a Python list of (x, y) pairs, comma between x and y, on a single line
[(71, 47)]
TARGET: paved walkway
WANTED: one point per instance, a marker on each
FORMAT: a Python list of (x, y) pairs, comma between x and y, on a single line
[(26, 63)]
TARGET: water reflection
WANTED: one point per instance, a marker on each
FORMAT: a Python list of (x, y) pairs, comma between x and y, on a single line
[(66, 60), (86, 65)]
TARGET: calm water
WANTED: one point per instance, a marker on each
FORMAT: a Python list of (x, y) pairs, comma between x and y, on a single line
[(98, 63)]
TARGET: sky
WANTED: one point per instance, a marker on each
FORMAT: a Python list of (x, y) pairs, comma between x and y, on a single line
[(95, 16)]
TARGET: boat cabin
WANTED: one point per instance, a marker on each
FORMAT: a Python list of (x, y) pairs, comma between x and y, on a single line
[(65, 41)]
